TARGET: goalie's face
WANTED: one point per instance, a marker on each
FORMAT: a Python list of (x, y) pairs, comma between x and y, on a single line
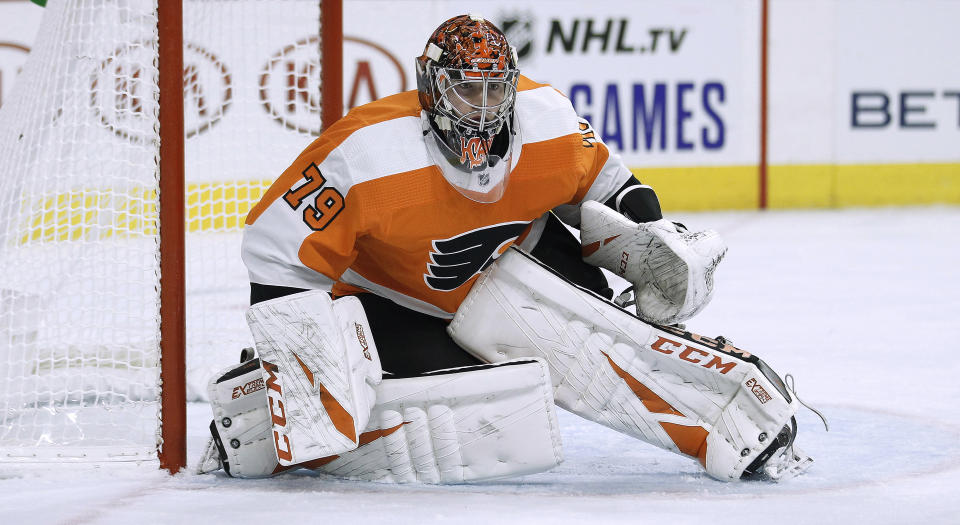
[(476, 102)]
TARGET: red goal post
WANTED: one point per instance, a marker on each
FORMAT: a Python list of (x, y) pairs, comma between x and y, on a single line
[(135, 139)]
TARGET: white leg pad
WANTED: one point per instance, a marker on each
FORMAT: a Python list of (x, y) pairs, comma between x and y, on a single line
[(471, 424), (679, 391), (320, 368), (242, 421), (477, 424)]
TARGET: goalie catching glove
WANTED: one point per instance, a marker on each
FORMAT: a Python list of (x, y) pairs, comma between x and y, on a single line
[(670, 268)]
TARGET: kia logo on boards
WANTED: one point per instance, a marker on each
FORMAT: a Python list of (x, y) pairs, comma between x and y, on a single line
[(122, 91), (122, 88), (289, 89)]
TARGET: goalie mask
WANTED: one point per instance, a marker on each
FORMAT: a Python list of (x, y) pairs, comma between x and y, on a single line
[(467, 82)]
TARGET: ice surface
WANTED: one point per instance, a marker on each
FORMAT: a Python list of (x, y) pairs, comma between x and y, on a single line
[(861, 306)]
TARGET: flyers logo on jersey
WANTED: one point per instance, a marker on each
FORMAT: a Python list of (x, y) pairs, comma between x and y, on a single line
[(474, 149), (455, 260)]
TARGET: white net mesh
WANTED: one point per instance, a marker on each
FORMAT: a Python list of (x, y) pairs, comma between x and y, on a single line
[(79, 251)]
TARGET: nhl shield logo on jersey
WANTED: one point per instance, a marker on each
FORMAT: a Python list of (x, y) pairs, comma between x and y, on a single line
[(455, 260)]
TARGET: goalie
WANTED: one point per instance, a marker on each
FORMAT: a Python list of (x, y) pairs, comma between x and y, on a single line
[(463, 307)]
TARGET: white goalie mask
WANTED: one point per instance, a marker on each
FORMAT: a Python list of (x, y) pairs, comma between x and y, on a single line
[(467, 81)]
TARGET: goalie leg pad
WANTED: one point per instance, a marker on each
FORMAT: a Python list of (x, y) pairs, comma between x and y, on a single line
[(679, 391), (470, 424), (320, 369), (242, 442)]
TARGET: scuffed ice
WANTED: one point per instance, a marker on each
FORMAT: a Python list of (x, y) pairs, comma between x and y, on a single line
[(860, 306)]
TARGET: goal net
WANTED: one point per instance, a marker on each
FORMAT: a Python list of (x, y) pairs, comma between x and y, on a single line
[(80, 183)]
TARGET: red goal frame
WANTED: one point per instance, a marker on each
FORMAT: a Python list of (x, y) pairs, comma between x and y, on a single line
[(173, 407)]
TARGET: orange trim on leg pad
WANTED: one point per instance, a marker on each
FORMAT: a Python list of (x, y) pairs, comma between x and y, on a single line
[(652, 401), (692, 441)]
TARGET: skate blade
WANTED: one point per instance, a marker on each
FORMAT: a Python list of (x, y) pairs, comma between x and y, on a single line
[(790, 465), (210, 461)]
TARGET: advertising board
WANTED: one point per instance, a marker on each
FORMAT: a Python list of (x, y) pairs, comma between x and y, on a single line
[(863, 98)]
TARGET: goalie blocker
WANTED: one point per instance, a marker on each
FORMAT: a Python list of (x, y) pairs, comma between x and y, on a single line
[(682, 392)]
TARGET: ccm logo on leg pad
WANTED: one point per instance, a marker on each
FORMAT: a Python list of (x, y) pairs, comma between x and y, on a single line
[(277, 413), (692, 354)]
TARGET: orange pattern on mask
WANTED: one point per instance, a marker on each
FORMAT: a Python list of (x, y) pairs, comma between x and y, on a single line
[(472, 44)]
